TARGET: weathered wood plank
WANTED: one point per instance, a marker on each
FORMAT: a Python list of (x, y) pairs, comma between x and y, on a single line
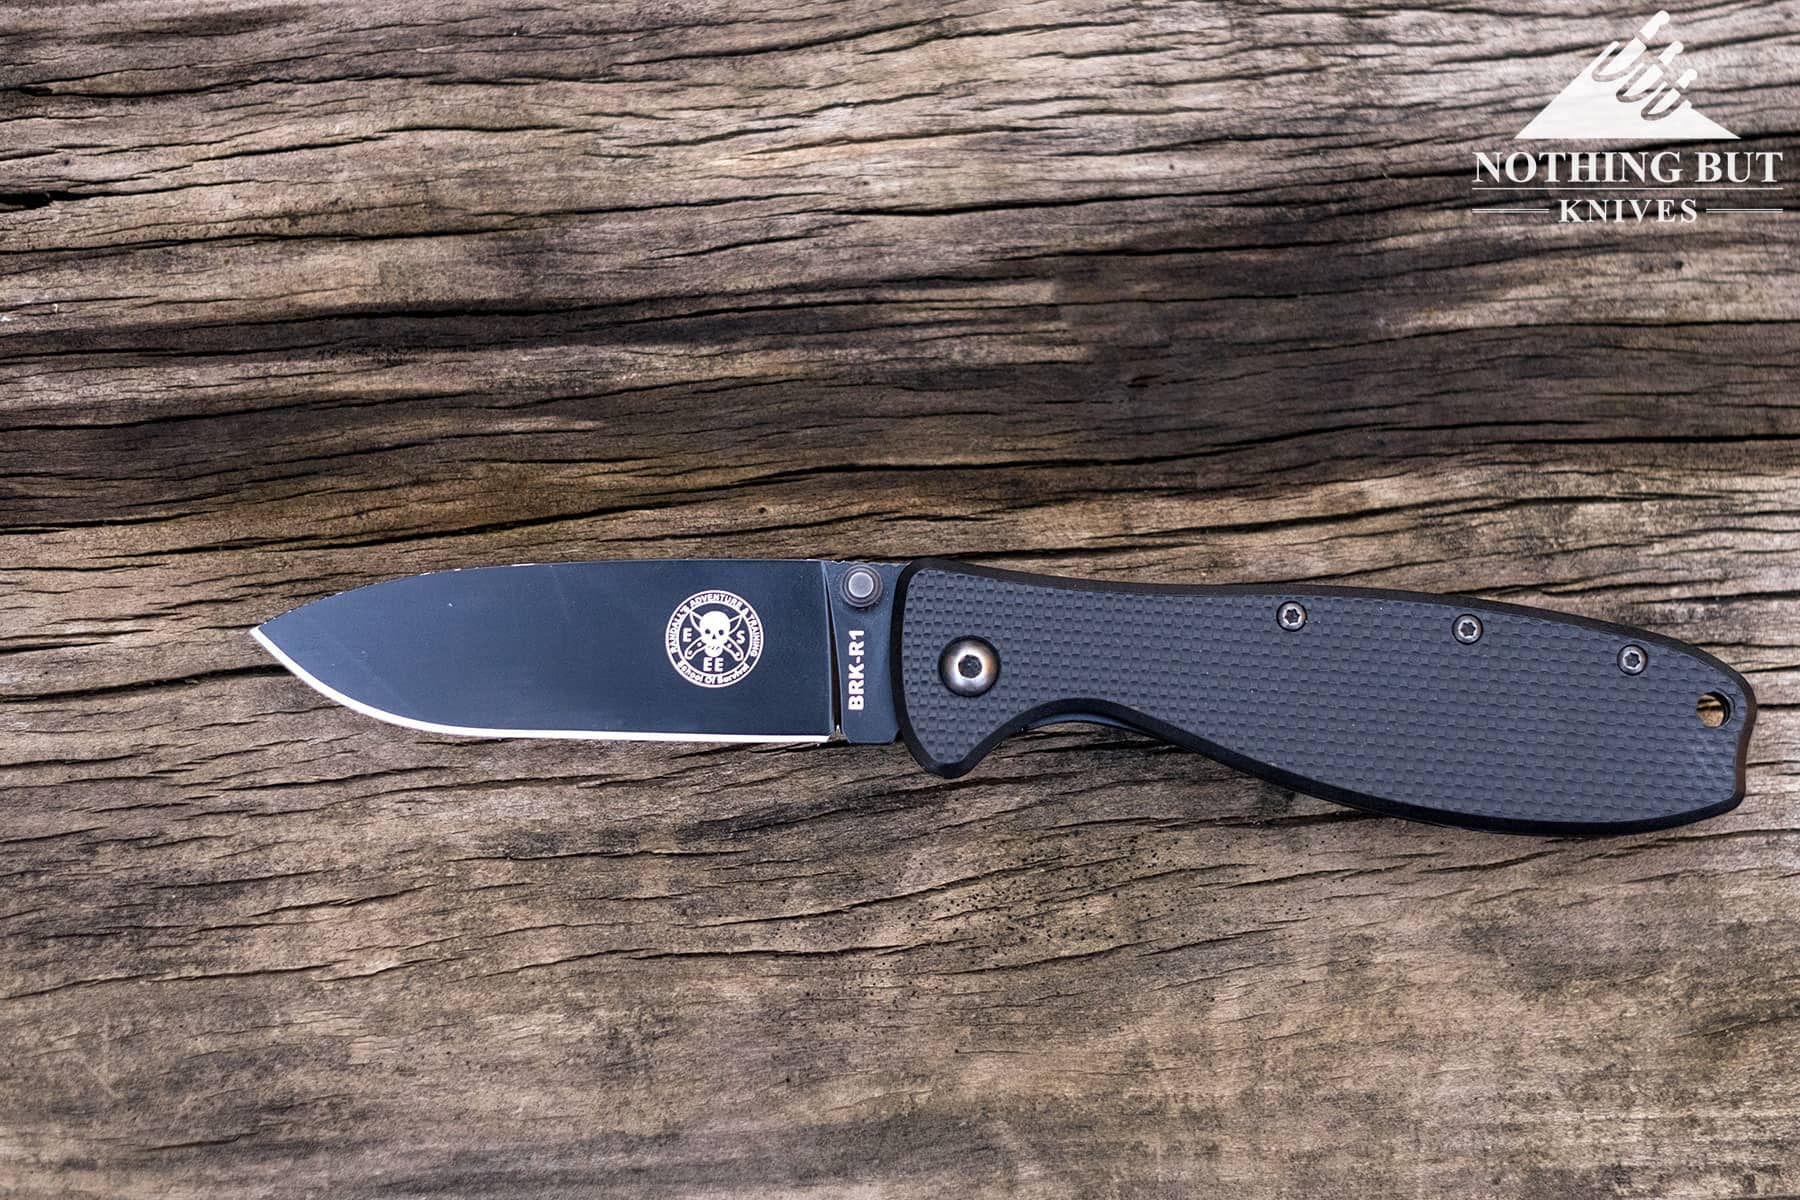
[(297, 297)]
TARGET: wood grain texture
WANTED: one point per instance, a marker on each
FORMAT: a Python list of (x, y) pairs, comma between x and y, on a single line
[(295, 297)]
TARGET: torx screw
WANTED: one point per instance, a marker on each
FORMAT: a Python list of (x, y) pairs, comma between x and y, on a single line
[(969, 666), (1290, 616), (1633, 659), (1467, 629)]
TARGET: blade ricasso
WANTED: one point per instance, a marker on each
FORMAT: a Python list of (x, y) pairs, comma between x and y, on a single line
[(861, 653)]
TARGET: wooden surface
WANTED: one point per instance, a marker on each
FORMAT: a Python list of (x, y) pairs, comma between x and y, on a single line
[(295, 297)]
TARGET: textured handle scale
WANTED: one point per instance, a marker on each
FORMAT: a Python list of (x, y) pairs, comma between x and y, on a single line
[(1372, 701)]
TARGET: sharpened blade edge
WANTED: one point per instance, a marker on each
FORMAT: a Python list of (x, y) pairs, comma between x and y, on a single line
[(369, 710)]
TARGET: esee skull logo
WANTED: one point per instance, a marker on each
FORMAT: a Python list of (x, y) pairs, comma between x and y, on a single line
[(715, 632), (713, 638)]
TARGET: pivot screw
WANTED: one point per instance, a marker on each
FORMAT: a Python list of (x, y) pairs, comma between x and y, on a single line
[(861, 587), (1467, 629), (1290, 616), (969, 666), (1633, 659)]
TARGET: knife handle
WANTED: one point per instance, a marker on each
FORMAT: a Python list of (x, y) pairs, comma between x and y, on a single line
[(1439, 708)]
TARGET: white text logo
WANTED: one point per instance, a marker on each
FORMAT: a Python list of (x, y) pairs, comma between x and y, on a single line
[(1633, 91)]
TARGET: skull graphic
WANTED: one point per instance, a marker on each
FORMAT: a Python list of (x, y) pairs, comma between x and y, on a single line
[(715, 632), (713, 638)]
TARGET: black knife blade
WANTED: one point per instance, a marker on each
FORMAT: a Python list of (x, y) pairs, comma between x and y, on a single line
[(716, 651)]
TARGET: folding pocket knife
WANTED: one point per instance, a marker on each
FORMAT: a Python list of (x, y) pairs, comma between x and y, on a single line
[(1439, 708)]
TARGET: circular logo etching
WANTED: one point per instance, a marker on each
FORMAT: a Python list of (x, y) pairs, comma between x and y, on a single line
[(714, 638)]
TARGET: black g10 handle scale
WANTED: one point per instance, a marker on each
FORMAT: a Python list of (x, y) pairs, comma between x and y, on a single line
[(1439, 708)]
